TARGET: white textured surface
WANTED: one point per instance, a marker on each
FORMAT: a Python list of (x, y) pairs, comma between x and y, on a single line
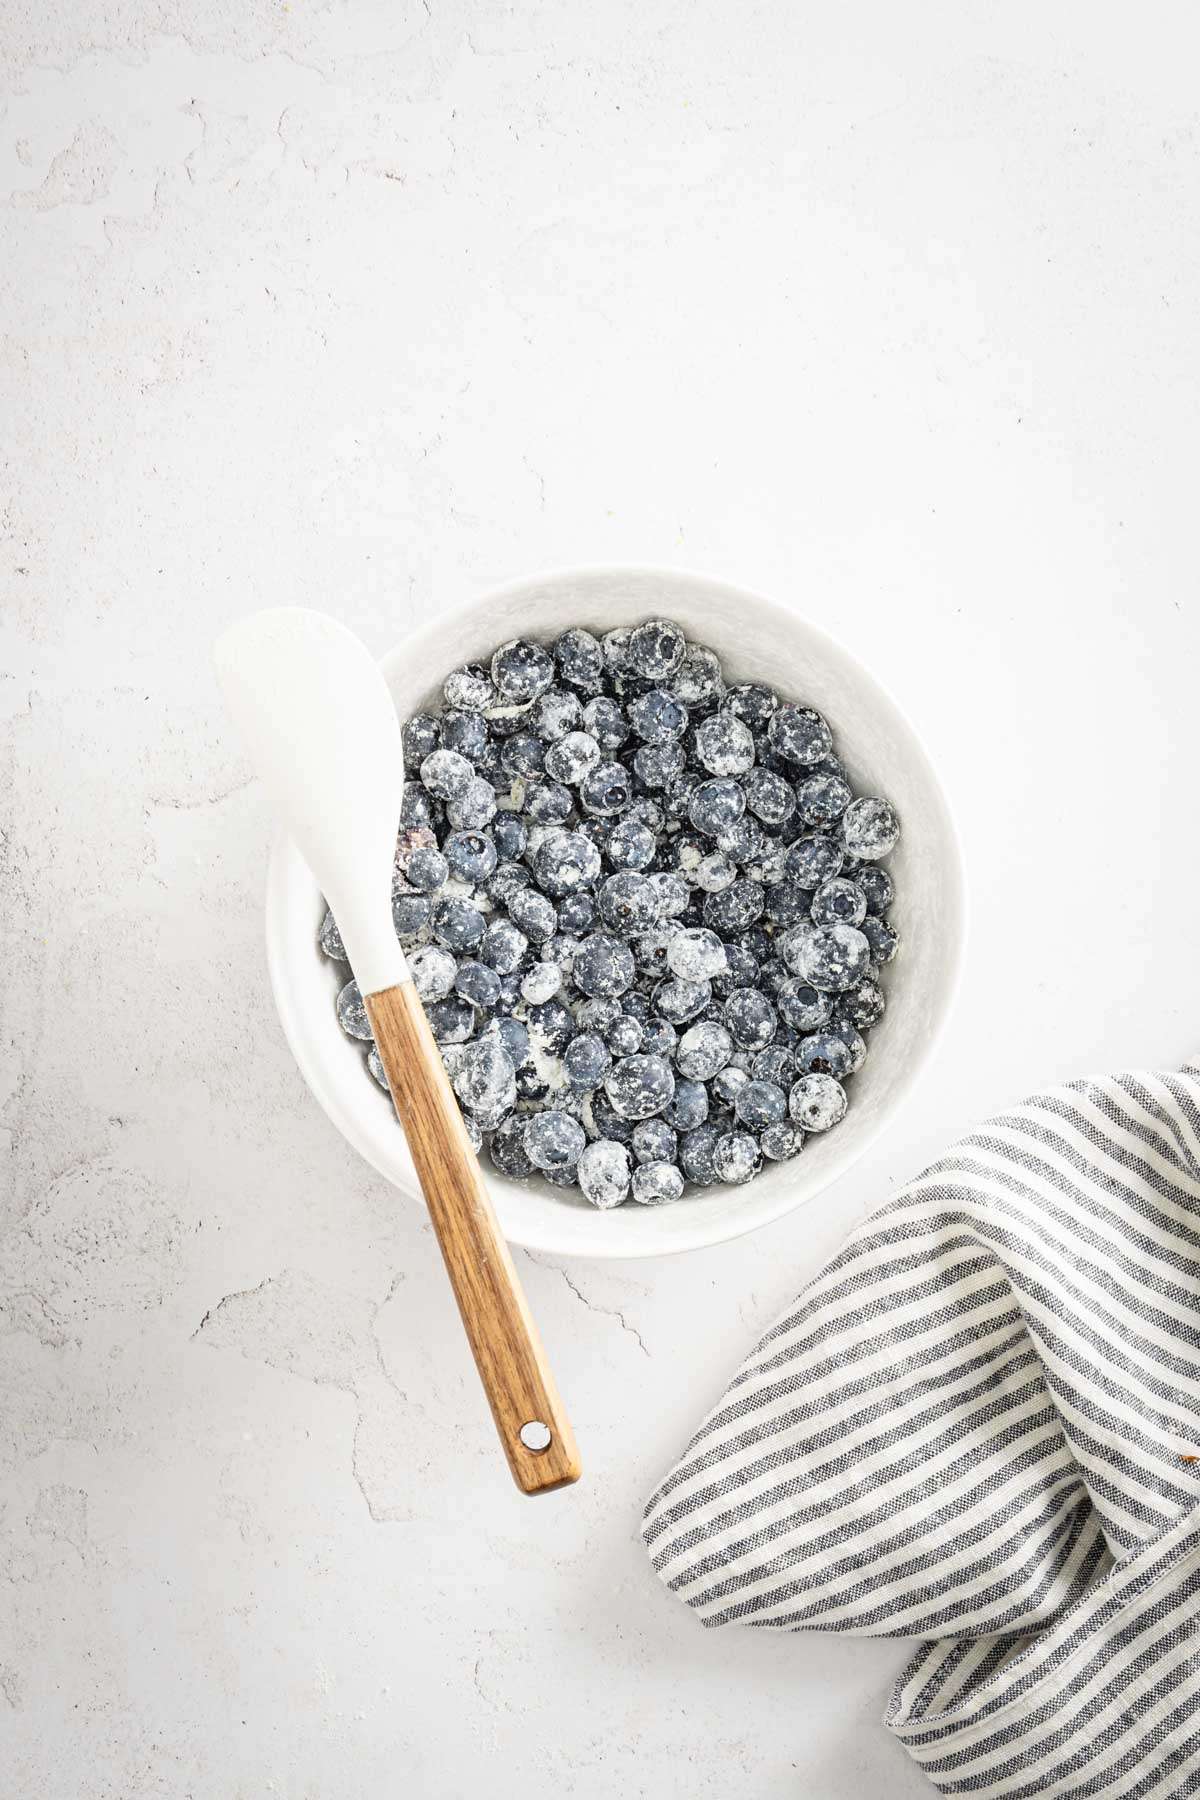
[(371, 306)]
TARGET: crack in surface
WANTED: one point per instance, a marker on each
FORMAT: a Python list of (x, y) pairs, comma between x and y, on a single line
[(611, 1312)]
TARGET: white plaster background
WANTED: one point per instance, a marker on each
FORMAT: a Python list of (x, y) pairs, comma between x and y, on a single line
[(889, 310)]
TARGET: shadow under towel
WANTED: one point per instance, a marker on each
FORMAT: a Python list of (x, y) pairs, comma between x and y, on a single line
[(976, 1427)]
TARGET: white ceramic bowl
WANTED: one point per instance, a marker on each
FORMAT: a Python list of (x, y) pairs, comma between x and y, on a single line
[(757, 641)]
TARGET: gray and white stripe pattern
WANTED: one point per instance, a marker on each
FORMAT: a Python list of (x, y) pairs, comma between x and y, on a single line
[(973, 1428)]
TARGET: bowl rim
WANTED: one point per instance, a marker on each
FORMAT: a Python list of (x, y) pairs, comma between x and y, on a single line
[(286, 865)]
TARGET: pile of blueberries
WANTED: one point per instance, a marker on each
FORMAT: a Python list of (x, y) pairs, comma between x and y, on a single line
[(644, 910)]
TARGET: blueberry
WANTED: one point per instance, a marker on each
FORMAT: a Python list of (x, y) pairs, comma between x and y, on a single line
[(416, 806), (446, 774), (696, 1158), (458, 925), (604, 720), (822, 799), (553, 1140), (433, 971), (628, 902), (736, 1157), (877, 885), (862, 1007), (541, 983), (870, 828), (728, 1083), (625, 1035), (759, 1104), (410, 914), (696, 955), (629, 845), (698, 679), (331, 940), (606, 791), (657, 1184), (585, 1061), (817, 1102), (352, 1013), (604, 1172), (752, 703), (503, 946), (549, 803), (375, 1065), (724, 746), (645, 810), (427, 870), (715, 872), (419, 739), (473, 809), (521, 671), (466, 733), (679, 1000), (704, 1050), (507, 1149), (799, 734), (779, 1142), (658, 766), (614, 648), (716, 805), (774, 1064), (882, 937), (451, 1021), (605, 1122), (478, 984), (486, 1081), (509, 835), (508, 879), (471, 689), (577, 913), (768, 796), (855, 1043), (750, 1018), (572, 758), (735, 909), (788, 905), (523, 755), (659, 1037), (654, 1141), (656, 649), (744, 842), (688, 1106), (555, 713), (824, 1053), (597, 1013), (639, 1086), (533, 914), (564, 862), (580, 660), (672, 893), (471, 855), (839, 902), (801, 1005), (604, 967), (812, 860), (833, 957), (551, 1025), (657, 717)]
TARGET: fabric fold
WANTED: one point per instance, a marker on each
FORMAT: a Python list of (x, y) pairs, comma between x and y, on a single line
[(975, 1427)]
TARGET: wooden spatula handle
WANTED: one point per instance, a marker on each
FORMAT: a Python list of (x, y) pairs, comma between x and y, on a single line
[(504, 1339)]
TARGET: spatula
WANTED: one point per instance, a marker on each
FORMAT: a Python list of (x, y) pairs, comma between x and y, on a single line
[(322, 731)]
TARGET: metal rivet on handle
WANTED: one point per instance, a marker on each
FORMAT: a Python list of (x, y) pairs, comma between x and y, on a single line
[(535, 1435)]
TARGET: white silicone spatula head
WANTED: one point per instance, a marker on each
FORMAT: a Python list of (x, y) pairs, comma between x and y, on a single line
[(322, 731)]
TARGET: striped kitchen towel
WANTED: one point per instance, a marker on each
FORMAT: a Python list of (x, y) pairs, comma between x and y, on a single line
[(978, 1427)]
